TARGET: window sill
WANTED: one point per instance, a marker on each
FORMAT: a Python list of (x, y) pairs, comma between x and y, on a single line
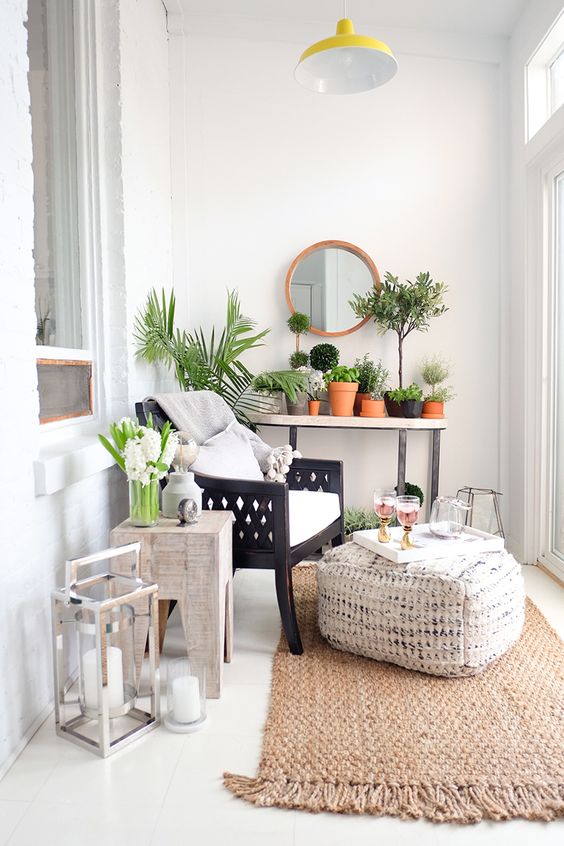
[(63, 464)]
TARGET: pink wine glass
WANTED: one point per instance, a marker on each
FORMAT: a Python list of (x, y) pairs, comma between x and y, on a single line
[(408, 514), (384, 507)]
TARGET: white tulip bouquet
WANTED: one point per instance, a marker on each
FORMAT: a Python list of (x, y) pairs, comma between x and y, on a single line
[(145, 456)]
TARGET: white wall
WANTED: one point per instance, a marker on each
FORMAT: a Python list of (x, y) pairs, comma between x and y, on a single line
[(37, 534), (410, 173)]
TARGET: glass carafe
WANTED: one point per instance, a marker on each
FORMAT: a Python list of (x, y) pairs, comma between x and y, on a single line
[(448, 517)]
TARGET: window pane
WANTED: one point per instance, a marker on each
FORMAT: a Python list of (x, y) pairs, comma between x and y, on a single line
[(53, 120), (557, 83), (64, 389), (558, 493)]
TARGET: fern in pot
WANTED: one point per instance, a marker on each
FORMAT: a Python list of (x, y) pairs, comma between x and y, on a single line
[(273, 384)]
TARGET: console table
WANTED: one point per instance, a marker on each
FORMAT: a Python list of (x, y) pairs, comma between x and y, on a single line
[(402, 425)]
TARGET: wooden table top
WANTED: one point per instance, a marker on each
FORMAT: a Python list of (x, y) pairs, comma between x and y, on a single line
[(325, 421), (209, 523)]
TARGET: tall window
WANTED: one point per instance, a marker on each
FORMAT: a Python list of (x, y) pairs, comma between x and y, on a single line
[(557, 463), (64, 359)]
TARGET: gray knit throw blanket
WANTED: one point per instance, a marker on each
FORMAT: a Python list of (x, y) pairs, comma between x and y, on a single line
[(203, 414)]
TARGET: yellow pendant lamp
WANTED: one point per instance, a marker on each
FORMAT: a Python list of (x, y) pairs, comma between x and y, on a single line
[(346, 63)]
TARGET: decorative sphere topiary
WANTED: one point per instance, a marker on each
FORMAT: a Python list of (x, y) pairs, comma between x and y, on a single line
[(299, 323), (299, 359), (324, 357)]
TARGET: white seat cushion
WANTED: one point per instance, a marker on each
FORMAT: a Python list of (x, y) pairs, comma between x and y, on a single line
[(310, 512)]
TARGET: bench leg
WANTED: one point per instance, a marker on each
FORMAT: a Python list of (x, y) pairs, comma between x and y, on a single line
[(285, 595)]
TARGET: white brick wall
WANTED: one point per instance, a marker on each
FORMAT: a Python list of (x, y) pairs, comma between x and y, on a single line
[(37, 534)]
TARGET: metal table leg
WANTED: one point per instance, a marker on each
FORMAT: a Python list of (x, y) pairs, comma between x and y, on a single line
[(435, 459), (402, 449), (293, 437)]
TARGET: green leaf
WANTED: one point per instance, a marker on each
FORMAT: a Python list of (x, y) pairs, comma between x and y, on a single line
[(113, 452)]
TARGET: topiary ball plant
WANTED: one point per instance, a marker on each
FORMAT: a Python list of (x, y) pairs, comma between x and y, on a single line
[(299, 324), (299, 359), (324, 357)]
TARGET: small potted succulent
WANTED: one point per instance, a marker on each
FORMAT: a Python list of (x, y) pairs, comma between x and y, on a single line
[(409, 400), (434, 371), (342, 383), (372, 382), (316, 383)]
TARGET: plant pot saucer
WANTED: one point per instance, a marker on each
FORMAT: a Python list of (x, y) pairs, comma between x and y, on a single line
[(433, 416)]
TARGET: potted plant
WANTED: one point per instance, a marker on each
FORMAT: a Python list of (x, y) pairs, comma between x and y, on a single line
[(324, 357), (402, 307), (316, 383), (291, 383), (410, 489), (409, 400), (298, 323), (359, 520), (342, 383), (372, 381), (299, 359), (434, 371)]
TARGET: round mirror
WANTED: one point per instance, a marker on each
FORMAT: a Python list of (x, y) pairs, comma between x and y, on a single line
[(321, 281)]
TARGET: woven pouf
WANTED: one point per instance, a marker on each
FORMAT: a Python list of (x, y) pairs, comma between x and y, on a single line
[(448, 617)]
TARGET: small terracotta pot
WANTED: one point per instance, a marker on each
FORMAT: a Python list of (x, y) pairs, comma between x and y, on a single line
[(358, 402), (373, 408), (341, 398), (433, 410), (313, 407)]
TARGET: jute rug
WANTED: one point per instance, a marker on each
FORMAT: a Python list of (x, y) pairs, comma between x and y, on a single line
[(352, 735)]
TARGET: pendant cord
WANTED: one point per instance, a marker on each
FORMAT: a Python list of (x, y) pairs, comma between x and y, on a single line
[(344, 8)]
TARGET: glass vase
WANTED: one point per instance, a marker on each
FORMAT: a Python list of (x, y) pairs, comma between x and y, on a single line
[(144, 503)]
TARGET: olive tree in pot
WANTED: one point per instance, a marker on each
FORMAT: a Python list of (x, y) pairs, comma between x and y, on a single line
[(434, 371), (342, 383), (402, 307)]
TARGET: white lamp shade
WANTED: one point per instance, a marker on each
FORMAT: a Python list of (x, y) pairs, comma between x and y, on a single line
[(346, 63)]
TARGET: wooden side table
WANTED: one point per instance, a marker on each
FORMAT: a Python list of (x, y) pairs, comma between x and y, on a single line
[(192, 564)]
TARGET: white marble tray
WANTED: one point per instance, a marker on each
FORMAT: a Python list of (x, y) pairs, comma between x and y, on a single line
[(427, 546)]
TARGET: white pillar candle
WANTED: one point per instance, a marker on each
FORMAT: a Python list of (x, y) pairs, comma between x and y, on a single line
[(115, 678), (186, 699)]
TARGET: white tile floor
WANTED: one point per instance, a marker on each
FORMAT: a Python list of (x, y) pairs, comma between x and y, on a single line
[(166, 788)]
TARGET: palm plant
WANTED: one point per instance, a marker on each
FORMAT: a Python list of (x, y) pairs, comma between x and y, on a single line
[(202, 364)]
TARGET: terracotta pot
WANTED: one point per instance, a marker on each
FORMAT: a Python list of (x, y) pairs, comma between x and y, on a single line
[(341, 398), (313, 407), (373, 408), (433, 410), (393, 408), (358, 402), (411, 408)]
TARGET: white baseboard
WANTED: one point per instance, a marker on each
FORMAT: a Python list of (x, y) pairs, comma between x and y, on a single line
[(36, 724)]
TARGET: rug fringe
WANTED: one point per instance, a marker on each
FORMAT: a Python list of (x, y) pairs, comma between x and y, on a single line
[(437, 802)]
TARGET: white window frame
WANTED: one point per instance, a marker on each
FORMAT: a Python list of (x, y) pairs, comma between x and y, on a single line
[(543, 167), (88, 216), (538, 82)]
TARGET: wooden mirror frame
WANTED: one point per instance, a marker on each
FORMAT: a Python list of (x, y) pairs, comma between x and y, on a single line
[(345, 245)]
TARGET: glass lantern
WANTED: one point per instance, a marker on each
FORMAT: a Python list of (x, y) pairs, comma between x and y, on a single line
[(186, 695), (100, 625)]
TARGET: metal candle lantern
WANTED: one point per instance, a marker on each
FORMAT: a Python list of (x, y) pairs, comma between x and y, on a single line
[(106, 619)]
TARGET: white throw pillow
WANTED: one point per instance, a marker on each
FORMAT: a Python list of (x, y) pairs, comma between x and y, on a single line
[(229, 455)]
